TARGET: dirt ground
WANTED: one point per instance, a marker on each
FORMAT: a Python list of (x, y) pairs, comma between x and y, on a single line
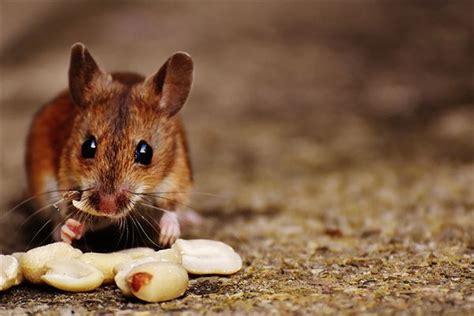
[(337, 139)]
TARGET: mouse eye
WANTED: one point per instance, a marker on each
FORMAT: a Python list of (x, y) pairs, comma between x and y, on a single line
[(143, 153), (89, 147)]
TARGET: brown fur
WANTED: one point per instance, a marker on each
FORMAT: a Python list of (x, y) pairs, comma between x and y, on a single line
[(119, 110)]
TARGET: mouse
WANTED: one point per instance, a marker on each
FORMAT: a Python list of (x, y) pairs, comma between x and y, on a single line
[(112, 146)]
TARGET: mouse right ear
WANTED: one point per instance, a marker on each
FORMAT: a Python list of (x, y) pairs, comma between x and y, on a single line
[(170, 86), (85, 76)]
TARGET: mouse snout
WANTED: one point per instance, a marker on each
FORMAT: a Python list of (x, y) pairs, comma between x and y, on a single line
[(108, 203)]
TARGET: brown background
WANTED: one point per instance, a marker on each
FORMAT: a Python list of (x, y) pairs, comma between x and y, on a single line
[(337, 136)]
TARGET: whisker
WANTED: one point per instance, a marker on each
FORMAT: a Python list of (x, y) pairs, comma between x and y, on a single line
[(90, 220), (151, 225), (136, 228), (121, 229), (179, 192), (80, 218), (146, 235), (8, 212), (37, 233), (39, 210), (134, 225), (135, 221), (84, 218), (72, 214), (155, 207), (20, 204), (168, 199), (75, 214), (126, 225), (127, 229), (58, 226), (51, 234)]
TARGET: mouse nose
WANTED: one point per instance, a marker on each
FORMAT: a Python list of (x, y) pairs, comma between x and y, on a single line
[(108, 204)]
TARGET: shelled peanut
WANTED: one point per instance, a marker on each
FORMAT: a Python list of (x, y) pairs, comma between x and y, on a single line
[(152, 276)]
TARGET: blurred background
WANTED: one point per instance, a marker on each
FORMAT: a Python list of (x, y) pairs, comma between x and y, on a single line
[(307, 118), (284, 92)]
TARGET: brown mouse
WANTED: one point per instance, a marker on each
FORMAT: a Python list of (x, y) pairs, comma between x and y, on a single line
[(115, 144)]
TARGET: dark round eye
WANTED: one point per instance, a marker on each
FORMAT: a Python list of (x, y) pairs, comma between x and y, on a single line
[(89, 147), (143, 153)]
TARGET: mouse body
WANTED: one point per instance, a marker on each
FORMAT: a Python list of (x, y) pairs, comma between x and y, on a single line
[(111, 147)]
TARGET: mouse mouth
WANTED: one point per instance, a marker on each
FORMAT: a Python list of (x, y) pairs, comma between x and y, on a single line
[(85, 206)]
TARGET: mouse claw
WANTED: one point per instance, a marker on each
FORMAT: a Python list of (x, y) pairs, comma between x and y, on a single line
[(71, 230), (169, 229)]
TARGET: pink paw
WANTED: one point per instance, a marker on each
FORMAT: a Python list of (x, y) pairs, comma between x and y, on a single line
[(190, 218), (71, 230), (169, 229)]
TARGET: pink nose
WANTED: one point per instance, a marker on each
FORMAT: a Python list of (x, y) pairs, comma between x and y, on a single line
[(108, 204)]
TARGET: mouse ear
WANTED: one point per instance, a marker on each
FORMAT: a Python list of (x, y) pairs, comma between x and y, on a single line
[(85, 76), (172, 83)]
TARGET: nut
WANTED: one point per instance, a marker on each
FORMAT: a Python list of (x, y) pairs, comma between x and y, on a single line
[(138, 252), (123, 269), (72, 275), (202, 256), (168, 255), (85, 207), (18, 255), (33, 261), (10, 272), (157, 281), (105, 262)]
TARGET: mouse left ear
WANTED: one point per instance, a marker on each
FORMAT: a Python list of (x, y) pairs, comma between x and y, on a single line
[(85, 76), (172, 83)]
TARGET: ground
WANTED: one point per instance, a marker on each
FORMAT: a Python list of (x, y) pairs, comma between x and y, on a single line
[(336, 139)]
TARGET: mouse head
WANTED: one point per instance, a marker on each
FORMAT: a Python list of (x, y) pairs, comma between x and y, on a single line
[(125, 132)]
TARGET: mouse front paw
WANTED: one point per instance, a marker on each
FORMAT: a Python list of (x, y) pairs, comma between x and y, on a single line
[(71, 230), (169, 229)]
